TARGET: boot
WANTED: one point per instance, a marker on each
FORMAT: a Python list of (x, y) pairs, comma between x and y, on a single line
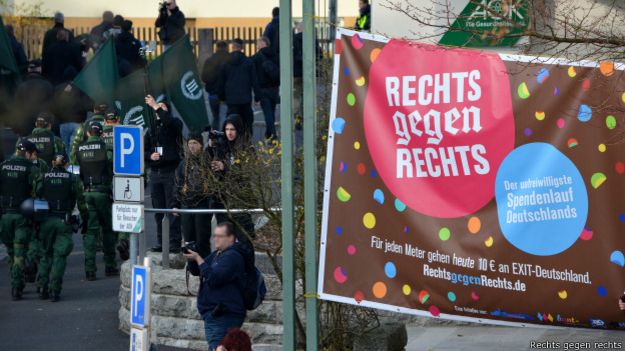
[(109, 272), (56, 296), (122, 248), (16, 294), (44, 294)]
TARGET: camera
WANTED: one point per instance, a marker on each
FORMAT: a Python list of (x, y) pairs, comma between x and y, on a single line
[(215, 135), (162, 6), (191, 245)]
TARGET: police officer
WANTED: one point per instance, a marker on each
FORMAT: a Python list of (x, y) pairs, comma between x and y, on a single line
[(110, 121), (19, 180), (42, 136), (96, 175), (62, 190), (80, 136)]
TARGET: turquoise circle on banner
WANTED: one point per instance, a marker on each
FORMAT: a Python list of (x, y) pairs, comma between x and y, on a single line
[(542, 202)]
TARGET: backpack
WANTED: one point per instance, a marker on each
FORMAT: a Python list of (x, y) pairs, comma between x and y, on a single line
[(255, 289), (271, 70)]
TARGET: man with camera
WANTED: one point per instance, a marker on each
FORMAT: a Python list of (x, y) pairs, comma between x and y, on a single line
[(62, 190), (171, 22), (222, 280), (162, 154)]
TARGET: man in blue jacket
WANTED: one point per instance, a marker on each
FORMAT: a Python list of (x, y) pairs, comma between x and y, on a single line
[(222, 280)]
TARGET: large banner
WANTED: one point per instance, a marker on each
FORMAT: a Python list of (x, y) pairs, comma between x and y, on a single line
[(475, 186)]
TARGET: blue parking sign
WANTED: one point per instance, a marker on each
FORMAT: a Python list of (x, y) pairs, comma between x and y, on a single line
[(128, 150), (140, 296)]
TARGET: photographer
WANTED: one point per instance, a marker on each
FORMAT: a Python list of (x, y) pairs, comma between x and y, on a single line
[(162, 153), (222, 280), (171, 23), (224, 150), (191, 193)]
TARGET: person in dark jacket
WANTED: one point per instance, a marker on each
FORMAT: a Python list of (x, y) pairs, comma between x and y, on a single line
[(59, 57), (268, 72), (272, 30), (363, 22), (71, 107), (34, 95), (224, 155), (211, 71), (162, 154), (222, 280), (192, 193), (50, 37), (18, 50), (171, 23), (127, 49), (298, 68), (96, 36), (237, 83)]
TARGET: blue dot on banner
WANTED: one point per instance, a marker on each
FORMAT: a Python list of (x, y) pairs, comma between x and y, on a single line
[(542, 76), (602, 291), (621, 217), (390, 270), (585, 113), (378, 196), (339, 230), (346, 71), (400, 206), (451, 296), (546, 237), (338, 125), (374, 173), (617, 258)]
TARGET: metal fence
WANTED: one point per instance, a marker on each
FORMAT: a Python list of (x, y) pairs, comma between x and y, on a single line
[(31, 37), (138, 247)]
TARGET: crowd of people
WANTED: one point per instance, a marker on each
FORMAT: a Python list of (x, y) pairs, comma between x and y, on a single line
[(44, 200)]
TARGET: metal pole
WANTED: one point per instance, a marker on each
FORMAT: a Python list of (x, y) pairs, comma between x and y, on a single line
[(133, 249), (286, 127), (310, 174), (165, 243), (333, 21), (142, 247)]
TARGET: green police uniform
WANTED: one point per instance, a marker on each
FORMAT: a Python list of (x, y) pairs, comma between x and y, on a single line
[(35, 248), (19, 180), (47, 143), (62, 190), (96, 175), (80, 136)]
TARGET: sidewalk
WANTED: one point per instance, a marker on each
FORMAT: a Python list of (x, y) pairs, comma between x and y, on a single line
[(487, 338)]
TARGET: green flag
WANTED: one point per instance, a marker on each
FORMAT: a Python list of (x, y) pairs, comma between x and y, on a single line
[(98, 79), (131, 99), (176, 71)]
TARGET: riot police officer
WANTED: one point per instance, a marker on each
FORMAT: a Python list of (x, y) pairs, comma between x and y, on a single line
[(96, 175), (62, 190), (19, 180), (110, 121), (80, 136), (42, 136)]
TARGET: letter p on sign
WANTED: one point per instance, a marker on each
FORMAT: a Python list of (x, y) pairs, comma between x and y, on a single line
[(140, 296), (126, 150)]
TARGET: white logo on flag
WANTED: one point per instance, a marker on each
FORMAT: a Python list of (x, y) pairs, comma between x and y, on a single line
[(190, 87)]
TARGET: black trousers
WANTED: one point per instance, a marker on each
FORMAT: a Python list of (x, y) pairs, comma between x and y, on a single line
[(246, 113), (162, 191), (196, 227)]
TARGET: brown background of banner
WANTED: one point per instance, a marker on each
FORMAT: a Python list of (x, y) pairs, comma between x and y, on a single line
[(366, 266)]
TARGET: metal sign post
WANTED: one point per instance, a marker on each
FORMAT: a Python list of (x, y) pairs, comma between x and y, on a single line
[(140, 295), (128, 183)]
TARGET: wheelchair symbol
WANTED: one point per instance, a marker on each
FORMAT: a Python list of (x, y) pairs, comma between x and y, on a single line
[(127, 192)]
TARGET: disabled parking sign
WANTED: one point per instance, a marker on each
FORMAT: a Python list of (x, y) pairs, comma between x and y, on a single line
[(128, 156)]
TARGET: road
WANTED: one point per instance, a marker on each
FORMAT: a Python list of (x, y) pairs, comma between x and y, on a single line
[(84, 319)]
